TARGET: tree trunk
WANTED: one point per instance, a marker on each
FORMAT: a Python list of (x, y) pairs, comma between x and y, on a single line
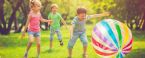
[(137, 24), (15, 19), (2, 20), (24, 10), (143, 27), (16, 25), (45, 4), (13, 16)]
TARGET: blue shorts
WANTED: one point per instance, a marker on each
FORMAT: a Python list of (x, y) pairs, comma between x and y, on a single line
[(53, 31), (34, 34), (76, 35)]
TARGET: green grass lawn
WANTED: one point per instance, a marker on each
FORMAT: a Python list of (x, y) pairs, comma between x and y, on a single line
[(10, 47)]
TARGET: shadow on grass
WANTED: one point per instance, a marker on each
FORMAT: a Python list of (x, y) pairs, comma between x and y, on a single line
[(52, 51), (48, 51), (34, 57), (136, 53)]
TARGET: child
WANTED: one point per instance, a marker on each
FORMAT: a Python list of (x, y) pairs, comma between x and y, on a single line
[(78, 30), (55, 26), (33, 24)]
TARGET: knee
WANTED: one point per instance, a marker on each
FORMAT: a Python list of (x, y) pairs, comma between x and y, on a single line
[(31, 40), (51, 39), (70, 44), (38, 44), (85, 43)]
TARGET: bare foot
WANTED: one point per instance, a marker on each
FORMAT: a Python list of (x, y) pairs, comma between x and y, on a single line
[(85, 56), (26, 55)]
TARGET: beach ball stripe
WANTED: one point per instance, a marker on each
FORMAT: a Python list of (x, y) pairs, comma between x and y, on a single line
[(119, 33), (103, 39), (111, 37), (110, 32)]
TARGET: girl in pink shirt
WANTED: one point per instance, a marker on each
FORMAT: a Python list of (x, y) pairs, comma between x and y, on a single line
[(33, 24)]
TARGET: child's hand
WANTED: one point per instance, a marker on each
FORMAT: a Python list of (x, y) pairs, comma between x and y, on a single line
[(106, 13), (23, 35), (50, 22)]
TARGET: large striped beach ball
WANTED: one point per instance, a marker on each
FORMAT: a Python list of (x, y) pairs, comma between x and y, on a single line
[(111, 38)]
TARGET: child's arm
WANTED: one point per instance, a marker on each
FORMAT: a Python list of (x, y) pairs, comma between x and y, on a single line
[(71, 30), (45, 20), (63, 21), (100, 15), (25, 27)]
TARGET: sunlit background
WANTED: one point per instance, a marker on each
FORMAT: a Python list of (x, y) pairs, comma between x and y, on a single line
[(13, 16)]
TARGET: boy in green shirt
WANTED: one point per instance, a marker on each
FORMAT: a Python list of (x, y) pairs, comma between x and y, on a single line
[(55, 26)]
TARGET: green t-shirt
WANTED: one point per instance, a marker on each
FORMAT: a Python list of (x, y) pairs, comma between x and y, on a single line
[(56, 18)]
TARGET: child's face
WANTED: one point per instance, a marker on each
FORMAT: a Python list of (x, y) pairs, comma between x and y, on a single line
[(81, 16), (36, 8), (54, 9)]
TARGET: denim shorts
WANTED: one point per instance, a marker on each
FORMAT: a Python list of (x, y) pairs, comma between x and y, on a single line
[(35, 34), (57, 31), (81, 35)]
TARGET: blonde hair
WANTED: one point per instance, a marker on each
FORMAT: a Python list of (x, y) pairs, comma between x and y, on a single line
[(53, 5), (35, 2)]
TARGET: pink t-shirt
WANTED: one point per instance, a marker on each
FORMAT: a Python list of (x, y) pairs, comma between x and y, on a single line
[(34, 23)]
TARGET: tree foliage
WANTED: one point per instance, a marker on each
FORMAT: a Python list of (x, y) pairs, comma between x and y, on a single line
[(13, 13)]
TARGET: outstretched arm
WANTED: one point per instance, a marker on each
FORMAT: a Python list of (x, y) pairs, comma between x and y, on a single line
[(63, 21), (99, 15), (45, 20)]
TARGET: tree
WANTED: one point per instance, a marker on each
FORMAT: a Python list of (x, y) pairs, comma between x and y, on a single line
[(131, 12), (2, 21), (6, 29)]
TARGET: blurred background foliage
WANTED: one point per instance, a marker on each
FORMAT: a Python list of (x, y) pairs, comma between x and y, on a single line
[(13, 13)]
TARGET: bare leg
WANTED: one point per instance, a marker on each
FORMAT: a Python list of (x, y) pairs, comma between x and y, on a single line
[(85, 49), (38, 46), (28, 45), (69, 52), (50, 44), (85, 52)]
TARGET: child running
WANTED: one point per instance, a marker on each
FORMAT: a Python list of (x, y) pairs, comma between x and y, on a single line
[(55, 26), (78, 30), (33, 24)]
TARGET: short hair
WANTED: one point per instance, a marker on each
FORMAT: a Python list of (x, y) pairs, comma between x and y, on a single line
[(81, 10), (53, 5)]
